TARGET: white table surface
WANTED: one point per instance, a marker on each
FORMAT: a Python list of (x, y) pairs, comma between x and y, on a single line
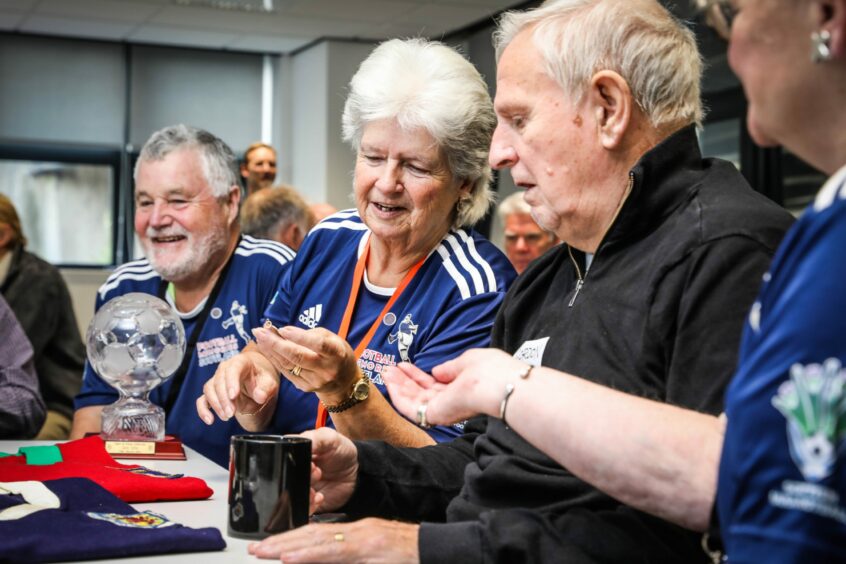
[(210, 512)]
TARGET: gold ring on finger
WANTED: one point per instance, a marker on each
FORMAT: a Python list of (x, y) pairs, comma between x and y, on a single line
[(339, 537), (295, 371)]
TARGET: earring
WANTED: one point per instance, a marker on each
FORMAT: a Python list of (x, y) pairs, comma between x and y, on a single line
[(821, 46)]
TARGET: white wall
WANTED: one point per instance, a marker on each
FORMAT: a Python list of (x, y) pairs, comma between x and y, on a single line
[(83, 285), (322, 163)]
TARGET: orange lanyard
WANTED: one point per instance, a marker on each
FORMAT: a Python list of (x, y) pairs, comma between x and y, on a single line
[(358, 276)]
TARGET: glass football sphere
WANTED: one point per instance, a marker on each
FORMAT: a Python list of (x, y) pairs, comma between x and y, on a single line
[(135, 342)]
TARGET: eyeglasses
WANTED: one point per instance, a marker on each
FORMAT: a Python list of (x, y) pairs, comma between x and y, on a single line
[(531, 239), (719, 15)]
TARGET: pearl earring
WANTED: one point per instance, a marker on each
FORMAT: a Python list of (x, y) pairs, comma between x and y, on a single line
[(821, 46)]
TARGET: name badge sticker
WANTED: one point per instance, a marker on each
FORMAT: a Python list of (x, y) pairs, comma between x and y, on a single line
[(531, 352)]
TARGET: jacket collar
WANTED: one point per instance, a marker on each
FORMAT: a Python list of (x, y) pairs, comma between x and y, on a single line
[(664, 178)]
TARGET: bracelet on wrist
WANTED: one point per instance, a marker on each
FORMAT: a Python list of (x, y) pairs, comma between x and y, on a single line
[(509, 389)]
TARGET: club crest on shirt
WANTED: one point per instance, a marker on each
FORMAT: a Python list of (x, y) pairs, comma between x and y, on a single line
[(237, 312), (813, 402), (145, 520), (404, 336)]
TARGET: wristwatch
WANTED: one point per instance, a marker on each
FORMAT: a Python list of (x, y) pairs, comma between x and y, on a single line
[(360, 391)]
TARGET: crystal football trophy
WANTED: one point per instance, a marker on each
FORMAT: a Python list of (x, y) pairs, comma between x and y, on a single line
[(135, 342)]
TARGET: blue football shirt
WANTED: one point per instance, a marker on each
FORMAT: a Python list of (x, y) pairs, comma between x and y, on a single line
[(447, 308), (253, 277), (782, 482)]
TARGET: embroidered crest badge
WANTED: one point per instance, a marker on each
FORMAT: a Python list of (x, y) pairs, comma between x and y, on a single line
[(404, 336), (814, 403), (237, 312), (145, 520)]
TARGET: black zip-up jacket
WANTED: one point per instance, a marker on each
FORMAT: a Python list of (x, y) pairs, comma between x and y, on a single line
[(659, 314)]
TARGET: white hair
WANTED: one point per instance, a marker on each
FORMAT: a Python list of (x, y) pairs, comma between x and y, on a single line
[(425, 84), (639, 39), (216, 158), (513, 204)]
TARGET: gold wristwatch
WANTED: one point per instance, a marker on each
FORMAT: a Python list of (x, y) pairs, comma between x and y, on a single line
[(360, 391)]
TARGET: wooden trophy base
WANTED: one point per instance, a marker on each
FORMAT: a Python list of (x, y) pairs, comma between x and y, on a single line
[(168, 449)]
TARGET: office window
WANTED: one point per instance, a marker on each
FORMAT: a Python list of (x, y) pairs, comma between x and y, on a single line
[(721, 139), (67, 209)]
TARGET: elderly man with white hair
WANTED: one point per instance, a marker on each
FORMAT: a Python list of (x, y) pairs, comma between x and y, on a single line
[(663, 252)]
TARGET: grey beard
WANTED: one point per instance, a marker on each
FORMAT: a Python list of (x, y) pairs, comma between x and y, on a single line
[(193, 263)]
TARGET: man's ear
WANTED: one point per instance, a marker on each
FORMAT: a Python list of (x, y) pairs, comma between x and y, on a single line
[(291, 236), (233, 200), (610, 99)]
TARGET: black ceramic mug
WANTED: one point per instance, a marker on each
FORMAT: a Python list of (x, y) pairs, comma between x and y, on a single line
[(269, 480)]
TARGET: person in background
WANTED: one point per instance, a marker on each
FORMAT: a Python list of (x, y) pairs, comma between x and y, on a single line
[(663, 252), (22, 410), (279, 214), (322, 210), (523, 238), (39, 297), (401, 277), (217, 281), (258, 169)]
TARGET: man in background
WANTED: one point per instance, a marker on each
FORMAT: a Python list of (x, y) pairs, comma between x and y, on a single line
[(258, 169), (279, 214), (218, 282), (39, 298), (523, 238)]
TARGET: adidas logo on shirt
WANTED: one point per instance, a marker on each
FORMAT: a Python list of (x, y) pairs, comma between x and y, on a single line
[(311, 316)]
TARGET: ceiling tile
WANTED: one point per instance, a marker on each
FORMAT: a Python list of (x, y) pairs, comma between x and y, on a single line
[(17, 5), (118, 10), (362, 10), (169, 35), (293, 22), (248, 23), (9, 21), (72, 27), (445, 16), (268, 44)]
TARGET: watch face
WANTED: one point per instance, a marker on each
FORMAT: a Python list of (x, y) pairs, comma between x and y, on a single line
[(361, 389)]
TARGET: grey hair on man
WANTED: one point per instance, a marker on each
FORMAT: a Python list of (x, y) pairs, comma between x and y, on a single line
[(219, 163), (269, 214), (414, 82), (641, 41), (513, 204)]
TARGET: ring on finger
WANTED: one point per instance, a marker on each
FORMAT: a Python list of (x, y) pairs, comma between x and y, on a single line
[(421, 415), (339, 537), (295, 371)]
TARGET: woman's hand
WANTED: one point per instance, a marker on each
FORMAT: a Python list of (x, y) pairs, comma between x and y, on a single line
[(244, 386), (468, 385), (314, 360)]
